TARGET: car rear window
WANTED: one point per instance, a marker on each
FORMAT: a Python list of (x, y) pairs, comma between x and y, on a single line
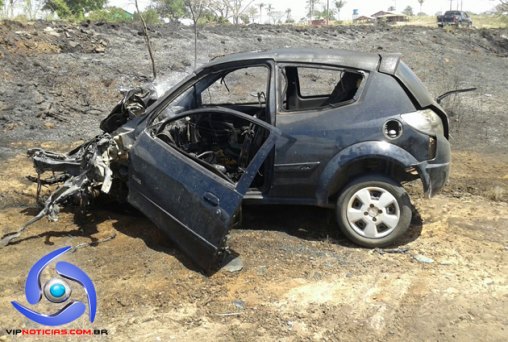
[(309, 88)]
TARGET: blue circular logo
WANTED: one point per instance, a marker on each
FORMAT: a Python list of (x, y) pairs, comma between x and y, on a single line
[(56, 290)]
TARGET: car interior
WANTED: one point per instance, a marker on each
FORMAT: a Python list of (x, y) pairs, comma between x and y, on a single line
[(309, 88), (222, 142)]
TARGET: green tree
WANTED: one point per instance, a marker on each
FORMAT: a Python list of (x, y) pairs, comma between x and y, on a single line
[(408, 11), (150, 15), (172, 9), (110, 15), (77, 8), (326, 14), (59, 7)]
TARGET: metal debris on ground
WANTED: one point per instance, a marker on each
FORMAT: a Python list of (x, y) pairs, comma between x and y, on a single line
[(423, 259), (92, 243), (235, 265), (400, 250)]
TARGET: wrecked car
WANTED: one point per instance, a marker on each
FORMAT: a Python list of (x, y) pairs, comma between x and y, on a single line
[(329, 128)]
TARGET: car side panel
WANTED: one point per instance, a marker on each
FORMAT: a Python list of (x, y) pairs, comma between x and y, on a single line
[(312, 138)]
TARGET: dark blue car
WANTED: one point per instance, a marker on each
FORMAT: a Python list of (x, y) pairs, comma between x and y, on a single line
[(329, 128)]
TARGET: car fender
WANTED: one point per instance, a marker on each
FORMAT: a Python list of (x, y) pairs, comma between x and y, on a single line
[(328, 182)]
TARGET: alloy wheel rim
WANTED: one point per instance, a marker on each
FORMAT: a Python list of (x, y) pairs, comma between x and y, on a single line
[(373, 212)]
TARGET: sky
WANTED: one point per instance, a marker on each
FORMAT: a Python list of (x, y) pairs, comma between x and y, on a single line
[(365, 7)]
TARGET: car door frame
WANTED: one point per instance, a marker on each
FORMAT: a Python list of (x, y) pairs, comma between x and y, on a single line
[(208, 255)]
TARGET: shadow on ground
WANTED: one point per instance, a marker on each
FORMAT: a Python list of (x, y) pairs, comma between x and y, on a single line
[(308, 223)]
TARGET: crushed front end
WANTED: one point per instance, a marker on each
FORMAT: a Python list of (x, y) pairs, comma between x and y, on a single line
[(95, 167)]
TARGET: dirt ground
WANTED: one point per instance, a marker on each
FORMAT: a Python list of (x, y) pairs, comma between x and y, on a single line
[(301, 280)]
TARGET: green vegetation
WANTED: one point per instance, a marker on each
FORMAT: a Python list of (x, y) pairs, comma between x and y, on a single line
[(113, 15), (150, 15), (73, 8), (172, 9)]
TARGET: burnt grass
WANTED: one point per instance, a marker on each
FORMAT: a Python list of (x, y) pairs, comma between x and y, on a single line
[(59, 80)]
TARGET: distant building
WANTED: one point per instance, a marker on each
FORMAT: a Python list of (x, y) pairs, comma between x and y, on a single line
[(389, 17), (364, 20), (318, 22)]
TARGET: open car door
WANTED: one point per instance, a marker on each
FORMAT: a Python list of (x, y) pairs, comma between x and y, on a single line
[(189, 175)]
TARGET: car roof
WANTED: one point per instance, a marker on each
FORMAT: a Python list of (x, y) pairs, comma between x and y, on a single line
[(344, 58)]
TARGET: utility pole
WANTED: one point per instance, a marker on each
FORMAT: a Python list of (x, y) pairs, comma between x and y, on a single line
[(451, 4)]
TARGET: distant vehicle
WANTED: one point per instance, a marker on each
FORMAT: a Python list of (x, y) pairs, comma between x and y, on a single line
[(455, 18)]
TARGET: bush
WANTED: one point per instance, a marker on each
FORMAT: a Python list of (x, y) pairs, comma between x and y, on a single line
[(150, 15), (60, 7), (111, 15)]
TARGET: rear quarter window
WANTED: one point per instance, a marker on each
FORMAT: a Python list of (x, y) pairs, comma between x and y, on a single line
[(310, 88)]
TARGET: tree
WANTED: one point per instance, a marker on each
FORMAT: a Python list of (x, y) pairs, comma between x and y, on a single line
[(391, 9), (311, 7), (196, 9), (172, 9), (110, 15), (326, 14), (147, 39), (11, 3), (59, 7), (150, 16), (276, 16), (502, 6), (252, 12), (338, 5), (261, 5), (31, 8), (408, 11), (77, 8), (221, 9), (421, 3), (237, 8), (288, 14)]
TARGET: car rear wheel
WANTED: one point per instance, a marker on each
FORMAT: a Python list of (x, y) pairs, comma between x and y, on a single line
[(373, 211)]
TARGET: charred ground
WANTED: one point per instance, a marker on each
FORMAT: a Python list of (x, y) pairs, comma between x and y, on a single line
[(302, 279)]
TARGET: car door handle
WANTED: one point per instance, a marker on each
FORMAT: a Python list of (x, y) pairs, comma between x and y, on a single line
[(211, 199)]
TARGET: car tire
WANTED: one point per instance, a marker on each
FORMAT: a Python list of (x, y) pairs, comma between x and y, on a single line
[(373, 211)]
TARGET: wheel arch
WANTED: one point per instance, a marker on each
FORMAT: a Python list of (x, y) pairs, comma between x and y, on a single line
[(377, 157)]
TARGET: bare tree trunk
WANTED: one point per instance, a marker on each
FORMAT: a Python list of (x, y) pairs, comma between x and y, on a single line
[(147, 40), (195, 44)]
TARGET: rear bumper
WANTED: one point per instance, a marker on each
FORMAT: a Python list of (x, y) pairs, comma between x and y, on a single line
[(434, 173)]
